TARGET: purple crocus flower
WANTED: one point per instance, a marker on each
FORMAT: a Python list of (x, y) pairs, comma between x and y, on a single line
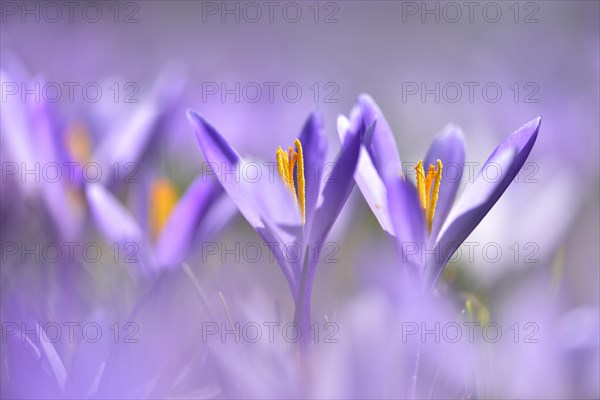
[(36, 136), (426, 227), (173, 222), (295, 210)]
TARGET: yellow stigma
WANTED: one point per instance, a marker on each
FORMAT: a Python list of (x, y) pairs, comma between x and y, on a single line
[(286, 161), (428, 197), (163, 198)]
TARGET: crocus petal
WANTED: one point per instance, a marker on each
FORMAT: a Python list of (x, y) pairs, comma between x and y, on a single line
[(129, 138), (264, 202), (126, 141), (480, 196), (222, 211), (170, 85), (281, 220), (223, 160), (56, 197), (407, 219), (314, 147), (449, 147), (289, 267), (15, 121), (383, 149), (338, 186), (177, 234), (366, 177), (271, 200), (118, 225), (115, 222), (138, 201), (335, 193)]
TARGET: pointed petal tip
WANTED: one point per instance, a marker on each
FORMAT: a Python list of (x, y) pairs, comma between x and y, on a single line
[(198, 122), (197, 119), (317, 116), (214, 146), (316, 120), (538, 121), (342, 119), (343, 124), (366, 102), (365, 98), (452, 130), (313, 134), (193, 115), (533, 125), (526, 133), (113, 219)]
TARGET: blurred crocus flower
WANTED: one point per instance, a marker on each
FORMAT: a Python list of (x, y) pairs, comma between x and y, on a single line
[(165, 238), (47, 154), (117, 138), (295, 211), (425, 225)]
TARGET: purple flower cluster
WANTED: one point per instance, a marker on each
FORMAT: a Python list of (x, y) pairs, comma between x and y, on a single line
[(107, 290)]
